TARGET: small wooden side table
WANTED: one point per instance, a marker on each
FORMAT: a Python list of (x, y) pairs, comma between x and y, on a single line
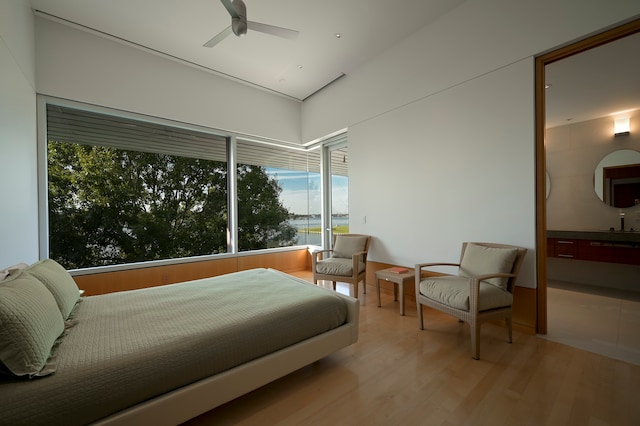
[(398, 280)]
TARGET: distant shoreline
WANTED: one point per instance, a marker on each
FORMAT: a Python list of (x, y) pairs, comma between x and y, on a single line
[(341, 229)]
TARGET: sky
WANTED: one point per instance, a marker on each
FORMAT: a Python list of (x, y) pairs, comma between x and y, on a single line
[(296, 185)]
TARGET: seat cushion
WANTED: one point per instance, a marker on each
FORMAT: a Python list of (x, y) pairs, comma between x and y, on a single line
[(481, 260), (337, 266), (454, 291), (347, 245)]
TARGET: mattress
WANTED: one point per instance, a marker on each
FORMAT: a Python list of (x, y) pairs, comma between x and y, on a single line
[(129, 347)]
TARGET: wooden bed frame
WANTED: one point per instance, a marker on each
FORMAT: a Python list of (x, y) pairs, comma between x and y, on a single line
[(192, 400)]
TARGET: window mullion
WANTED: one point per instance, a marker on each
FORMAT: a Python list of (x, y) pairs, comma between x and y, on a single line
[(232, 200)]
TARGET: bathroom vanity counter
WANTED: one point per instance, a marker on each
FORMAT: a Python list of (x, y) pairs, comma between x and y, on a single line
[(598, 246), (613, 236)]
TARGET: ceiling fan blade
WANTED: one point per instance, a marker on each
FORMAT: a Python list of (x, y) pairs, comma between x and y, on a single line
[(273, 30), (217, 39), (229, 6)]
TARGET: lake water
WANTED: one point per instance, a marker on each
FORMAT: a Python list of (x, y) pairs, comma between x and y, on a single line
[(314, 238)]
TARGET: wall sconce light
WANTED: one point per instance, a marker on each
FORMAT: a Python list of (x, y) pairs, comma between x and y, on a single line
[(621, 126)]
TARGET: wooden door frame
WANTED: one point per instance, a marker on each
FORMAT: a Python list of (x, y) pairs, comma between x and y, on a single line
[(541, 193)]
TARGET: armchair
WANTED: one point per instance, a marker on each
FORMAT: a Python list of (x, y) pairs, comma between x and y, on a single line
[(346, 262), (482, 290)]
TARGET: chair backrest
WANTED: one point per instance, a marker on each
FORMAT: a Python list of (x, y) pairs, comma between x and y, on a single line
[(517, 263), (366, 243)]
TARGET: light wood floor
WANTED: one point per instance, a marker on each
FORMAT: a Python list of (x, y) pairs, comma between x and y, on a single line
[(398, 375)]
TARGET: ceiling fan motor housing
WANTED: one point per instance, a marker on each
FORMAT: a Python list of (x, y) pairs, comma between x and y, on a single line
[(239, 23)]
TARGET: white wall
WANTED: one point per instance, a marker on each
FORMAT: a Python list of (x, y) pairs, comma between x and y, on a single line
[(477, 37), (573, 153), (76, 65), (455, 183), (442, 130), (18, 170)]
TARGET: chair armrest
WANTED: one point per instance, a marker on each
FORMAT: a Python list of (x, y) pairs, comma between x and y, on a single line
[(488, 276), (358, 254), (355, 258), (317, 252), (474, 287), (318, 255), (427, 265), (321, 251), (475, 280), (418, 269)]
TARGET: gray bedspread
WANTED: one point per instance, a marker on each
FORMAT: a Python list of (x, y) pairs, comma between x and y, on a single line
[(131, 346)]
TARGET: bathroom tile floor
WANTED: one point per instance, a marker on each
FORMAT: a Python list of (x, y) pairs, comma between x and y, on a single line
[(598, 320)]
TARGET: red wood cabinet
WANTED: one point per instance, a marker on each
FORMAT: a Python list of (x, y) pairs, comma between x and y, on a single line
[(597, 251)]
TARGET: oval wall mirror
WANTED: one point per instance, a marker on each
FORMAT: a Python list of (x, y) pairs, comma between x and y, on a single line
[(617, 178), (548, 185)]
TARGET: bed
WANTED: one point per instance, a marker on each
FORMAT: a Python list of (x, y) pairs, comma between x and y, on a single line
[(166, 354)]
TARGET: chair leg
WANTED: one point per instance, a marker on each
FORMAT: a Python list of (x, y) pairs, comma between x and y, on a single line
[(355, 289), (420, 322), (507, 322), (334, 285), (364, 287), (475, 341)]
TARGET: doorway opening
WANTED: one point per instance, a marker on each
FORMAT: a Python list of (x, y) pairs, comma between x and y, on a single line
[(541, 160), (335, 189)]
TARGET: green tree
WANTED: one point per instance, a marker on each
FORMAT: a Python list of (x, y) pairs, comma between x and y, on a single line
[(262, 219), (110, 206)]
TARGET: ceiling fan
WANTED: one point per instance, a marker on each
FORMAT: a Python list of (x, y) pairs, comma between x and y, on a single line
[(239, 24)]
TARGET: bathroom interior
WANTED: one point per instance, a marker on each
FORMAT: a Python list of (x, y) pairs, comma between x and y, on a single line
[(592, 150)]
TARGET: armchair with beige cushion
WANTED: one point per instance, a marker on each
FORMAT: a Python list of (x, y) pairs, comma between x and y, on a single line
[(346, 262), (482, 291)]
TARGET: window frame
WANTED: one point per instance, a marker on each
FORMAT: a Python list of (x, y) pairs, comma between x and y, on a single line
[(232, 164)]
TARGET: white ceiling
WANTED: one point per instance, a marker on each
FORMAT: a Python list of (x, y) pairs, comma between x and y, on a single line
[(179, 28), (593, 84), (586, 86)]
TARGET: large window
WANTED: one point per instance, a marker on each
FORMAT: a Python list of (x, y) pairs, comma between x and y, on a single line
[(339, 189), (123, 189), (289, 175)]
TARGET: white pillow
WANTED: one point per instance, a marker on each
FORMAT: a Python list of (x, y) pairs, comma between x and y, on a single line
[(481, 260), (59, 282), (30, 324)]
